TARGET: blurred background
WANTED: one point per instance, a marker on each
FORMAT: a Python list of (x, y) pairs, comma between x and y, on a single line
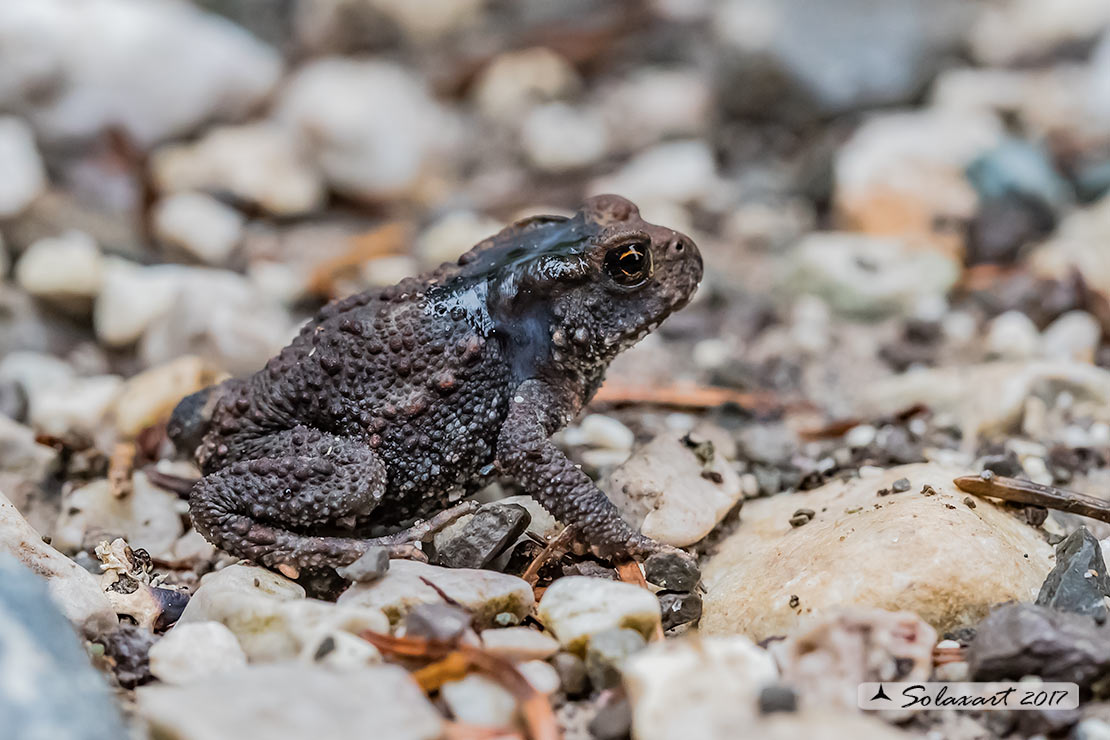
[(903, 210), (872, 182)]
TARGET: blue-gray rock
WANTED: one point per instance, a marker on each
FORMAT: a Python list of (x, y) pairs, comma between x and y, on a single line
[(1019, 167), (48, 689), (1079, 582)]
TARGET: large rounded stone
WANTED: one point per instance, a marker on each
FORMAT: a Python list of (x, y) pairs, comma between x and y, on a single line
[(924, 550)]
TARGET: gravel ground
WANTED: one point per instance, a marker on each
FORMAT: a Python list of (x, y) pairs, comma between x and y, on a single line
[(904, 211)]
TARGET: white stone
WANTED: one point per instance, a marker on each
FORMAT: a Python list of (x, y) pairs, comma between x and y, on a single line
[(599, 430), (132, 297), (155, 70), (217, 315), (519, 643), (1092, 729), (375, 129), (860, 435), (485, 593), (425, 21), (74, 407), (704, 687), (75, 591), (270, 615), (149, 397), (1073, 336), (655, 103), (515, 81), (261, 163), (195, 651), (24, 175), (199, 224), (149, 517), (984, 399), (1012, 336), (661, 490), (35, 371), (479, 700), (769, 577), (542, 675), (674, 172), (557, 137), (292, 701), (869, 276), (575, 608), (453, 234), (1017, 30), (341, 650), (66, 266)]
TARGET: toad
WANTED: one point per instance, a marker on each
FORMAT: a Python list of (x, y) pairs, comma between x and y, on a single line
[(392, 405)]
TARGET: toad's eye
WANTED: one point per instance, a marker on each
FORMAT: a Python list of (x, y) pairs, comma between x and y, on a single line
[(628, 265)]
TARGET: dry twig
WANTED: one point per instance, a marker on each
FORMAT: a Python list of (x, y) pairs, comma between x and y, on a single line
[(688, 397), (1035, 494)]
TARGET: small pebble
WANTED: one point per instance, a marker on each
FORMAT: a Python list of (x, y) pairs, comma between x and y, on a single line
[(370, 566), (679, 609), (612, 722), (777, 698), (437, 622), (671, 571), (519, 643), (607, 653), (543, 677), (194, 651), (572, 673), (801, 517), (900, 486), (576, 608), (479, 700), (485, 536)]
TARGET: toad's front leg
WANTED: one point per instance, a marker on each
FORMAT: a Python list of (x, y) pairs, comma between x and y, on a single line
[(525, 453)]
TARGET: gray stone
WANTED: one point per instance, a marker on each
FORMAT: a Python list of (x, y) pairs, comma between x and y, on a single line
[(437, 622), (671, 571), (777, 698), (679, 609), (485, 593), (485, 536), (1019, 640), (50, 689), (292, 701), (572, 673), (371, 565), (1079, 582), (607, 654), (613, 721)]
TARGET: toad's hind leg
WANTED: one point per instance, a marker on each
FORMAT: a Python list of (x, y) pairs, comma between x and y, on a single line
[(301, 481)]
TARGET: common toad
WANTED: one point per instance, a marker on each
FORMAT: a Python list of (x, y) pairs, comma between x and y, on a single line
[(393, 404)]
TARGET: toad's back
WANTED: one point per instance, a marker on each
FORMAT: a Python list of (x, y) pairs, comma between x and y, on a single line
[(426, 389)]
